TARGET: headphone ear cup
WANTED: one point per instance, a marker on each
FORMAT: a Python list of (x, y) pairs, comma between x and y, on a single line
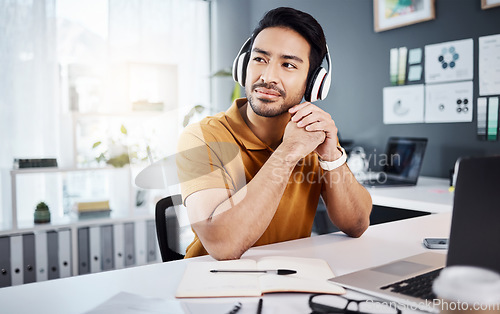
[(243, 70), (240, 63), (310, 85), (238, 68), (317, 84)]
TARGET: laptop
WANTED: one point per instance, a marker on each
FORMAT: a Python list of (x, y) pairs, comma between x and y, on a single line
[(473, 239), (402, 163)]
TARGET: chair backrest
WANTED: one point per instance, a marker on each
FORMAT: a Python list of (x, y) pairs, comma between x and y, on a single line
[(167, 254)]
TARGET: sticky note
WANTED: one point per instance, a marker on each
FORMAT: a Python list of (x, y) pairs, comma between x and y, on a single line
[(415, 73), (415, 56)]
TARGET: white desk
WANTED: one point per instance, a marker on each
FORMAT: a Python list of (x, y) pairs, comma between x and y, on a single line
[(380, 244), (429, 195)]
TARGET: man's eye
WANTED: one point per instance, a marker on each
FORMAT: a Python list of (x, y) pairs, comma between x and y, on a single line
[(258, 59), (289, 65)]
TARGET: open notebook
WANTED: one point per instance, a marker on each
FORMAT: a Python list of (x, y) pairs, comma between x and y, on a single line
[(311, 277)]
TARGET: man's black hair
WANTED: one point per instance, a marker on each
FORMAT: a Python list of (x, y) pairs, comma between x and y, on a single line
[(301, 22)]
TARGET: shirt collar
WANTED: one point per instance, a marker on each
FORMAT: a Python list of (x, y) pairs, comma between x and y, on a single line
[(239, 127)]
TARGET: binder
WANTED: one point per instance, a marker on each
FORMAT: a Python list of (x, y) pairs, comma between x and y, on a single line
[(41, 256), (16, 259), (53, 254), (128, 230), (119, 246), (5, 279), (107, 251), (29, 258), (140, 242), (151, 241), (95, 249), (83, 251), (64, 236)]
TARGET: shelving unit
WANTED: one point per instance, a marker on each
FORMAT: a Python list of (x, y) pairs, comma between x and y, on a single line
[(69, 246), (53, 184)]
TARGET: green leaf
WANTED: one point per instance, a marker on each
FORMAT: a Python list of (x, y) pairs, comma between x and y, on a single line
[(188, 117), (199, 108), (223, 73), (119, 161), (123, 129), (236, 92), (96, 144)]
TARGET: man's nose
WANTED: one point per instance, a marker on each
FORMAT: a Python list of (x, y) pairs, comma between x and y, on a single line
[(271, 73)]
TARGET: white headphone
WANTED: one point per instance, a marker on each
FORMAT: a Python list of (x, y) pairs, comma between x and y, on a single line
[(317, 87)]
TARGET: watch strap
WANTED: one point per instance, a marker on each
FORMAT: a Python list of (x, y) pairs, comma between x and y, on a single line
[(330, 165)]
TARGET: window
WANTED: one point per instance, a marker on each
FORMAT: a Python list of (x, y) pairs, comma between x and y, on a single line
[(79, 72)]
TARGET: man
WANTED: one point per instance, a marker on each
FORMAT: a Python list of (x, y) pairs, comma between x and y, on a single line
[(251, 176)]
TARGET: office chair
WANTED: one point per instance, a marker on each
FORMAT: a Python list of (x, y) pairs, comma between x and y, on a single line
[(162, 221)]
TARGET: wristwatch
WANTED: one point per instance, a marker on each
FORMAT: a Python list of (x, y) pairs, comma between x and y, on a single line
[(330, 165)]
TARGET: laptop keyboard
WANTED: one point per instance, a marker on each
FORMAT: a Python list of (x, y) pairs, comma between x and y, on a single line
[(417, 287)]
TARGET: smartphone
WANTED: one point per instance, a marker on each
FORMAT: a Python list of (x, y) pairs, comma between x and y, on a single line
[(436, 243)]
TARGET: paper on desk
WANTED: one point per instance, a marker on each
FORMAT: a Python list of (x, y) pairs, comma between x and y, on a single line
[(204, 307), (128, 303)]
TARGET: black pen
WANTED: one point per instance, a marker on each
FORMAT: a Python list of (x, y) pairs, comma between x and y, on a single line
[(271, 271), (259, 306), (236, 308)]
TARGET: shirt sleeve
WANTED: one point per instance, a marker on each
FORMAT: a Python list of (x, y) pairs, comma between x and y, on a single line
[(204, 161)]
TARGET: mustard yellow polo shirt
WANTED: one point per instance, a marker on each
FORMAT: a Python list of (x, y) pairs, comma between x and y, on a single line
[(222, 152)]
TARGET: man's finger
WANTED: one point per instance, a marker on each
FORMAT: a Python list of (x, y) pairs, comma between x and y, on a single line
[(296, 108)]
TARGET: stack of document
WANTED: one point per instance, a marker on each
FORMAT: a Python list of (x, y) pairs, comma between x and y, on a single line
[(95, 209)]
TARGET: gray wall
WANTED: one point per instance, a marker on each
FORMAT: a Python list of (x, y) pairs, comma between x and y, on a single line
[(361, 68), (230, 28)]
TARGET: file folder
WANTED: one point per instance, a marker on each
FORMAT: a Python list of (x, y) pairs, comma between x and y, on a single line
[(83, 251), (128, 230), (64, 236), (41, 256), (16, 259), (107, 251), (151, 241), (5, 279), (29, 258), (118, 243), (140, 242), (95, 249), (53, 254)]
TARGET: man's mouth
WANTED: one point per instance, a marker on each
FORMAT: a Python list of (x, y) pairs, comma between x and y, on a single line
[(267, 93)]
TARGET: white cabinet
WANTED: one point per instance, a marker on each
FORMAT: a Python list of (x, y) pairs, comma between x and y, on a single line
[(51, 252), (70, 245)]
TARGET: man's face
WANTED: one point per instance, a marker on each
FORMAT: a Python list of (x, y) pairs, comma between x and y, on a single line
[(277, 71)]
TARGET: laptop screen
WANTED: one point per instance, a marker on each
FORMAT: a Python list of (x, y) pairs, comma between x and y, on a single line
[(404, 158), (475, 231)]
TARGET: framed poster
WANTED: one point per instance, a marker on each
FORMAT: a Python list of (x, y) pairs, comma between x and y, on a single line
[(389, 14), (487, 4)]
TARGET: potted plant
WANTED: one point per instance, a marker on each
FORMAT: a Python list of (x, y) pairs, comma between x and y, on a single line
[(116, 152), (42, 213)]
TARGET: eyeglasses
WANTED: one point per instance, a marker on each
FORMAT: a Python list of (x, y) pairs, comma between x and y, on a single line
[(332, 304)]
